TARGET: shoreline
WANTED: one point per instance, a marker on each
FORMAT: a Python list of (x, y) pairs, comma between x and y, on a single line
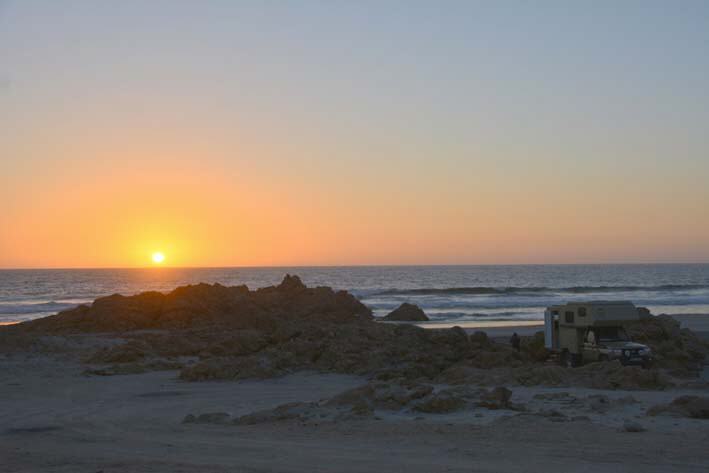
[(697, 322)]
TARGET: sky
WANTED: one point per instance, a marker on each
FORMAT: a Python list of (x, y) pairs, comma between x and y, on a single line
[(227, 133)]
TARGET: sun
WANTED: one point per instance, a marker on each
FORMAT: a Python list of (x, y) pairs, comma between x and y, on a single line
[(158, 257)]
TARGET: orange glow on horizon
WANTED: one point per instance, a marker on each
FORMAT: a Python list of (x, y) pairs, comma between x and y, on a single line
[(205, 216)]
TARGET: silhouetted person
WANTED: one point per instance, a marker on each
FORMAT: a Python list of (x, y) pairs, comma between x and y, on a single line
[(515, 341)]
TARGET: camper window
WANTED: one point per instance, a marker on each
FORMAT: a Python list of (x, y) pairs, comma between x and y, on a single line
[(582, 312), (569, 317), (612, 334)]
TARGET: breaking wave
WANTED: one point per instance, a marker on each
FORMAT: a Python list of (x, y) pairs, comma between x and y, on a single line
[(32, 308), (484, 290)]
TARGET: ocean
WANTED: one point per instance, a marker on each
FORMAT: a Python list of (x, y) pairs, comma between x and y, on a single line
[(462, 295)]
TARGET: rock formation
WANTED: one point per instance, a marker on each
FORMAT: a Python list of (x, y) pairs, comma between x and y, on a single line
[(407, 313), (673, 348), (204, 305), (684, 406)]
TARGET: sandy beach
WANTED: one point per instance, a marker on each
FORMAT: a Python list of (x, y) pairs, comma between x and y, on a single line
[(56, 419), (77, 400)]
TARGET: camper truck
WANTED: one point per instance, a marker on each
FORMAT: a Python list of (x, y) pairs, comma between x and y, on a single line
[(593, 331)]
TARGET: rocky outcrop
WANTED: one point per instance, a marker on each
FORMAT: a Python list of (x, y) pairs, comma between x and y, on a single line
[(632, 426), (534, 347), (407, 313), (497, 398), (305, 412), (441, 403), (601, 403), (204, 305), (695, 407), (613, 375), (609, 375), (366, 400), (208, 418), (379, 395), (242, 367), (385, 351), (673, 348), (134, 368)]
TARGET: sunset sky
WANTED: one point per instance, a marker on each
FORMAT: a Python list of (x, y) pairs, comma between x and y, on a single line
[(329, 132)]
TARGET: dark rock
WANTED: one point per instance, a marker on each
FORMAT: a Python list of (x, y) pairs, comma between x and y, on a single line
[(480, 340), (204, 305), (581, 419), (556, 396), (632, 426), (673, 348), (534, 347), (407, 313), (37, 429), (208, 418), (284, 412), (497, 398), (134, 368), (684, 406), (625, 400), (230, 368), (132, 351), (440, 404), (292, 284), (551, 413), (644, 313), (598, 402), (613, 375), (379, 395)]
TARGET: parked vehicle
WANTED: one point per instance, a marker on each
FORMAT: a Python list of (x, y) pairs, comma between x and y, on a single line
[(593, 331)]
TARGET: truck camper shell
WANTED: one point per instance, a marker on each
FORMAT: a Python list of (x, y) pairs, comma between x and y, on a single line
[(570, 330)]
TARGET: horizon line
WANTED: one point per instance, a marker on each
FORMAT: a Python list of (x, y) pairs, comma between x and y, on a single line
[(305, 266)]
